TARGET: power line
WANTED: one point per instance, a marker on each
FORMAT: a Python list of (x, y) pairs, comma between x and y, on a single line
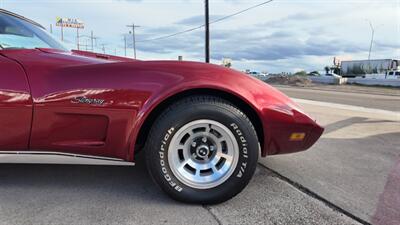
[(240, 12), (203, 25), (172, 35)]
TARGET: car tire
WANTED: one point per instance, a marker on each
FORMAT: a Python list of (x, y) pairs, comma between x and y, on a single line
[(202, 149)]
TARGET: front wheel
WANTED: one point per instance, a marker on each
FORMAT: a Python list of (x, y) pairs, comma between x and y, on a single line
[(202, 149)]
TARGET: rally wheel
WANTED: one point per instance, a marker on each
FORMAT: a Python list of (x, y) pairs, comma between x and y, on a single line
[(202, 149)]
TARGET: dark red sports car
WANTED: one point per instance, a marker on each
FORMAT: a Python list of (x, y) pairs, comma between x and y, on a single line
[(201, 126)]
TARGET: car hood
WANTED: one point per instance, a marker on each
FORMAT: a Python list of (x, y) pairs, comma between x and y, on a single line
[(194, 72)]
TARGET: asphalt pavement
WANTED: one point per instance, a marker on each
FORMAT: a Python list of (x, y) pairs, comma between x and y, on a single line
[(350, 176), (390, 101), (356, 164), (78, 194)]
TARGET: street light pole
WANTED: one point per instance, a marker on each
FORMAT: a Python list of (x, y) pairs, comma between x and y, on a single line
[(372, 39), (133, 26), (207, 35)]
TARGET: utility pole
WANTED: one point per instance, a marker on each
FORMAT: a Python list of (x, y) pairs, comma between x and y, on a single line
[(62, 33), (133, 26), (77, 38), (104, 48), (207, 26), (91, 40), (125, 44), (95, 42)]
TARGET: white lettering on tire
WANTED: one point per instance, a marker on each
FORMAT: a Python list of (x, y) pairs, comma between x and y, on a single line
[(243, 143), (164, 170)]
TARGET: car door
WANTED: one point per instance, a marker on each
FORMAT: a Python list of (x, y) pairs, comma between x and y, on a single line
[(79, 107), (15, 106)]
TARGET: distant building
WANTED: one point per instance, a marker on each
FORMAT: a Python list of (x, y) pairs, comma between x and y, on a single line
[(354, 68)]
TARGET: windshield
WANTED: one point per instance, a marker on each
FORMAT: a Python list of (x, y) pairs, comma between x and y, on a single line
[(18, 33)]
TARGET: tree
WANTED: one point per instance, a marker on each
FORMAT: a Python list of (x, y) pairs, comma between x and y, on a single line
[(301, 73)]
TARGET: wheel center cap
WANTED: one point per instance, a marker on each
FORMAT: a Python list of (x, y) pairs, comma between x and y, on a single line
[(202, 151)]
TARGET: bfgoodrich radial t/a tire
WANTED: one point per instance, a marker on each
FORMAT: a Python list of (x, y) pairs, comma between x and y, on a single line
[(202, 149)]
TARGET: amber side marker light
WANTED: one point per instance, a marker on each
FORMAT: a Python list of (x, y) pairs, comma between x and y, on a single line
[(297, 136)]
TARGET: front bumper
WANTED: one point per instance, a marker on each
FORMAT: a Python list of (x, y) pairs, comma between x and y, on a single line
[(289, 132)]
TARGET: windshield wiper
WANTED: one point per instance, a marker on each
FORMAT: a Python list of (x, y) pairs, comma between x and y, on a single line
[(1, 46)]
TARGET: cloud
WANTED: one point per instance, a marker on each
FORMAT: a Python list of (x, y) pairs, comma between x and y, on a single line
[(279, 36), (197, 20), (274, 46), (291, 19), (388, 45)]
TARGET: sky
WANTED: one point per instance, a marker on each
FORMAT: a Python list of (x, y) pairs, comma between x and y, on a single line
[(281, 36)]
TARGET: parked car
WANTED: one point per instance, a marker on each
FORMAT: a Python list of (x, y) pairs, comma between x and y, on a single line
[(200, 126), (314, 74), (253, 73)]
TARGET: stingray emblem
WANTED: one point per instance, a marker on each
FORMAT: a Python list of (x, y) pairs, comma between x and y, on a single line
[(90, 101)]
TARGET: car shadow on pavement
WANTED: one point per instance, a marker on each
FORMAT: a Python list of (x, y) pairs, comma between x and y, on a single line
[(128, 182), (89, 194), (349, 122)]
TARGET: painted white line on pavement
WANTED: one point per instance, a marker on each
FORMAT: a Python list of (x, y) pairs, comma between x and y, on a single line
[(395, 115)]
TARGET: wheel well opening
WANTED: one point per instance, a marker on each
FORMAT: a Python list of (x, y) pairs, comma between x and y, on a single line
[(238, 102)]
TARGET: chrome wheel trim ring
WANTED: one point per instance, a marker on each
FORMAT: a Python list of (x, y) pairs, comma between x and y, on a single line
[(210, 161)]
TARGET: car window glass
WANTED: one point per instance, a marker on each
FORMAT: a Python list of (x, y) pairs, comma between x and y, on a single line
[(18, 33)]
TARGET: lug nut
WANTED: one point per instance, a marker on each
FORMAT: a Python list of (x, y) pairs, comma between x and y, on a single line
[(212, 148), (194, 144), (204, 139)]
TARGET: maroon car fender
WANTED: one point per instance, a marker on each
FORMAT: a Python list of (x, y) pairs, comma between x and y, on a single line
[(276, 111)]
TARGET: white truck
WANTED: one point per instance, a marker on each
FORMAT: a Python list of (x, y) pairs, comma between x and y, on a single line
[(390, 75), (374, 68), (393, 74)]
